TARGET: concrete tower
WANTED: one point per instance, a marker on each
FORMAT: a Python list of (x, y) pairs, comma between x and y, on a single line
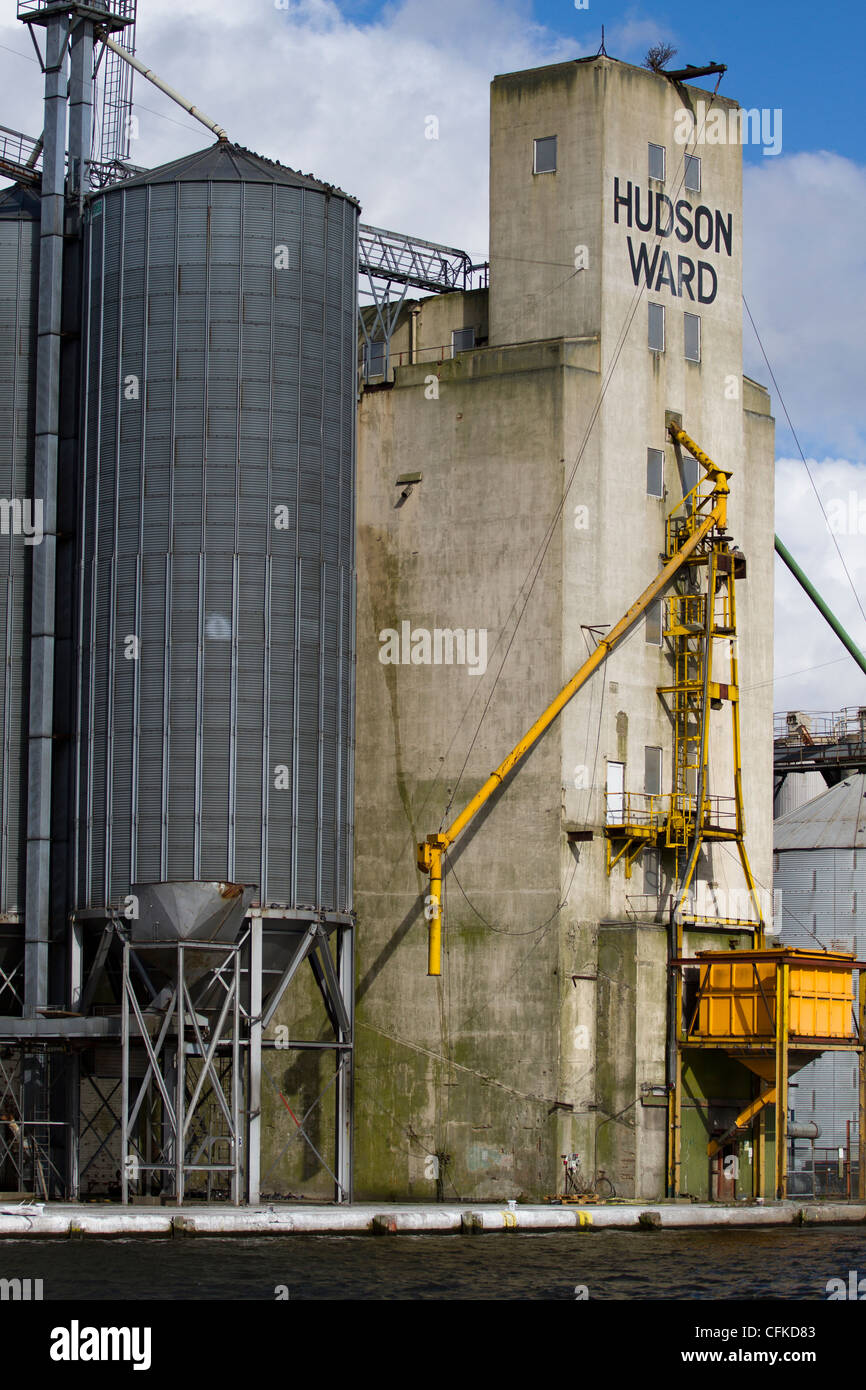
[(532, 419)]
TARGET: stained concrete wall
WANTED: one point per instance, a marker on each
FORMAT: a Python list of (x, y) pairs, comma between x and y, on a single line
[(435, 320), (550, 1015)]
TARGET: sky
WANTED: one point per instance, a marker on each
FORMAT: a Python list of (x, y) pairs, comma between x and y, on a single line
[(344, 91)]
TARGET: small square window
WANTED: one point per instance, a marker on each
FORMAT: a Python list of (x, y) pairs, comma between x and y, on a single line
[(656, 327), (653, 625), (655, 472), (692, 179), (544, 161), (462, 339), (657, 162), (692, 337)]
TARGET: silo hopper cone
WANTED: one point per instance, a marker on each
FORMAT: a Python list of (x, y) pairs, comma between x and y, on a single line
[(188, 910)]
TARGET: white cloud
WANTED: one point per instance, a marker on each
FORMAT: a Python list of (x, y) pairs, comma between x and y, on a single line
[(805, 280), (632, 39), (329, 95), (813, 670)]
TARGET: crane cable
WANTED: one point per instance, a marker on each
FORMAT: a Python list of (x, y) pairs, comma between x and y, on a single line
[(803, 457)]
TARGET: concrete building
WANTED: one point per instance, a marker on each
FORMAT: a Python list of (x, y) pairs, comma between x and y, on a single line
[(514, 479)]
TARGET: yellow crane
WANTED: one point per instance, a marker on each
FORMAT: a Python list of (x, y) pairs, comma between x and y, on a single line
[(706, 516), (735, 984)]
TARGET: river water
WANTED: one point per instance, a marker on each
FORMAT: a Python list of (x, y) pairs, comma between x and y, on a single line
[(602, 1265)]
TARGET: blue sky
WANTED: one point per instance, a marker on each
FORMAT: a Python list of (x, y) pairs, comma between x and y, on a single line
[(805, 58)]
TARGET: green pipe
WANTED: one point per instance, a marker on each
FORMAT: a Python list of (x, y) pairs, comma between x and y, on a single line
[(819, 603)]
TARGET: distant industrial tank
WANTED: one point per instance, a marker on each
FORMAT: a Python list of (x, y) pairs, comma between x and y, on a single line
[(19, 266), (216, 623), (820, 870)]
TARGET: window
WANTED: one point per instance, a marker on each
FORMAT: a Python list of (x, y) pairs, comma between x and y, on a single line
[(656, 327), (692, 337), (657, 162), (374, 357), (461, 340), (651, 872), (692, 181), (544, 155), (653, 625), (691, 472), (655, 472), (652, 771), (615, 793)]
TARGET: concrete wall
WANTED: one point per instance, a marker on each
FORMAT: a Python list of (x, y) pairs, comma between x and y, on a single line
[(435, 320), (550, 1015)]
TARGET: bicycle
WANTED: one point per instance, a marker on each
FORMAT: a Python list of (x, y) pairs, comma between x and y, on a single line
[(579, 1186)]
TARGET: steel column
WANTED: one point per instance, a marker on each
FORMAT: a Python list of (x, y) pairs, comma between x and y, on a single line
[(80, 108), (42, 605), (782, 1012), (345, 1067), (861, 1065), (180, 1085), (254, 1075), (759, 1149), (236, 1084), (124, 1074)]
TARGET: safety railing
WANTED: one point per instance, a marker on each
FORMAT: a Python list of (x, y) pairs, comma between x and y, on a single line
[(376, 363), (691, 513), (652, 811), (122, 9), (821, 726)]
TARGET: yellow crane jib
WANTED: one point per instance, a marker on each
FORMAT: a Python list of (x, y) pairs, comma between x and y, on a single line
[(431, 853)]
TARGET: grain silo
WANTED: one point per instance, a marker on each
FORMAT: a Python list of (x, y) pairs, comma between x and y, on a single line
[(820, 870), (19, 262), (216, 549)]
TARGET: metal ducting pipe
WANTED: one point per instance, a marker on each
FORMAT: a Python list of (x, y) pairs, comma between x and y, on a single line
[(807, 1130), (826, 612), (163, 86)]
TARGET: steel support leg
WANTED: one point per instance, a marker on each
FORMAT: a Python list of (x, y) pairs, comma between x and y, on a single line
[(124, 1073), (236, 1084), (180, 1086), (254, 1075), (344, 1164), (781, 1080), (861, 1059)]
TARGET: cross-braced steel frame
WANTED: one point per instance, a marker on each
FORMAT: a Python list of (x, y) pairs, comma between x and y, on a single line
[(181, 1048)]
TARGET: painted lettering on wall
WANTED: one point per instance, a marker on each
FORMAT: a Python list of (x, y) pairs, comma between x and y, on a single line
[(646, 210)]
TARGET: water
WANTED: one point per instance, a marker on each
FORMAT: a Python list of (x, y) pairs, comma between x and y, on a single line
[(612, 1265)]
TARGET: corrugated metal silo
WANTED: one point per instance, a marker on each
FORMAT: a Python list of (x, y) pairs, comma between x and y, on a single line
[(19, 267), (217, 603), (820, 868)]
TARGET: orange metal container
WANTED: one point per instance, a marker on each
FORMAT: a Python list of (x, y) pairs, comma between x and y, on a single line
[(738, 1000)]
